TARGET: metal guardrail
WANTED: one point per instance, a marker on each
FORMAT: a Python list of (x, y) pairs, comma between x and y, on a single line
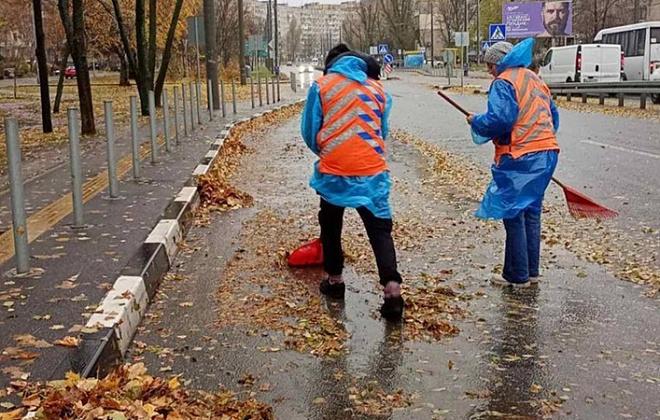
[(644, 89)]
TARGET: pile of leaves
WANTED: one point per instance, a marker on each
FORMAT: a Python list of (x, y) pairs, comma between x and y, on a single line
[(373, 401), (429, 313), (463, 178), (258, 291), (216, 191), (129, 393)]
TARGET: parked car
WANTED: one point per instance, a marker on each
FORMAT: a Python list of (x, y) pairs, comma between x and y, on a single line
[(70, 72), (583, 63)]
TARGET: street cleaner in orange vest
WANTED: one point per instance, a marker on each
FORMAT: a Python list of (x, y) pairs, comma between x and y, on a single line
[(345, 123), (522, 122)]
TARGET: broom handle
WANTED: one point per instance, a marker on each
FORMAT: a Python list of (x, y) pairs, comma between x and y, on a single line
[(466, 113), (452, 102)]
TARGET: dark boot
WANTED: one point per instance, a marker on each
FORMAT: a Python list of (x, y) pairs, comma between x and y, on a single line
[(392, 308), (333, 290)]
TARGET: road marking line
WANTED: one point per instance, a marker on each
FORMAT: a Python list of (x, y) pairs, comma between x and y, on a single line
[(623, 149), (49, 216)]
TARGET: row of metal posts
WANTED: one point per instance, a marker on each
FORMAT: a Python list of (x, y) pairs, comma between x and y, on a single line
[(191, 120)]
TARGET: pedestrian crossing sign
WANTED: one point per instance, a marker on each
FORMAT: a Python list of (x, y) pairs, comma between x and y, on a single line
[(383, 49), (497, 32)]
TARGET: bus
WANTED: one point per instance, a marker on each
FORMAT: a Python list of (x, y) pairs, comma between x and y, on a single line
[(640, 44)]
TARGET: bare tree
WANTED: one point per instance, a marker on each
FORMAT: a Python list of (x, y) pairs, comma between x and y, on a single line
[(364, 27), (591, 16), (450, 17), (73, 20), (402, 26), (42, 63), (293, 38)]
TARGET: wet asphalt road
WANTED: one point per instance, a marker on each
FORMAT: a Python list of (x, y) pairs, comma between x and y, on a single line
[(585, 347), (614, 160)]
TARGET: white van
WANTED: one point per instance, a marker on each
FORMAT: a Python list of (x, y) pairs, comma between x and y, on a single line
[(583, 63)]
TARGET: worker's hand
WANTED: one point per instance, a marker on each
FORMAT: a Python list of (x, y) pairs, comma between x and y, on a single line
[(469, 118)]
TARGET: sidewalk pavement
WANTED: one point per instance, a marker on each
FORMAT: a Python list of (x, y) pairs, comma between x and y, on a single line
[(582, 345), (75, 268)]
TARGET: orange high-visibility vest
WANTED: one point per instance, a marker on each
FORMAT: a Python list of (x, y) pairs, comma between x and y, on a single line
[(534, 130), (350, 140)]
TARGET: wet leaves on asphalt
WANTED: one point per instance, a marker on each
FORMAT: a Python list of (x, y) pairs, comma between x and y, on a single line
[(130, 393)]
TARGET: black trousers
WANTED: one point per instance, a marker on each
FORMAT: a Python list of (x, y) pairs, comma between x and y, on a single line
[(379, 231)]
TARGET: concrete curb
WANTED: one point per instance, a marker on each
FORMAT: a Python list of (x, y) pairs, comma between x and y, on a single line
[(122, 309)]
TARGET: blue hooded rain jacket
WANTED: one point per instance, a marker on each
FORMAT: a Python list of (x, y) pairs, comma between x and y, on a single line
[(518, 184), (371, 192)]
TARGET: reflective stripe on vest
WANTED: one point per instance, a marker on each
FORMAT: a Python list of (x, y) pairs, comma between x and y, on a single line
[(350, 141), (534, 130)]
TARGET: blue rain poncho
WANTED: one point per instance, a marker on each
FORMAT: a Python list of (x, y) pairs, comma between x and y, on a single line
[(518, 184), (371, 192)]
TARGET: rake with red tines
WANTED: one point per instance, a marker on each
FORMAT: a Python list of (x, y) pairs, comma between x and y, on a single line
[(579, 205)]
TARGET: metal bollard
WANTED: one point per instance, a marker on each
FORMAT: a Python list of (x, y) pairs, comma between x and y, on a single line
[(176, 115), (279, 97), (193, 126), (209, 95), (601, 99), (252, 91), (76, 170), (135, 138), (19, 217), (261, 96), (110, 148), (267, 92), (185, 109), (152, 126), (198, 92), (584, 98), (166, 120), (642, 101), (622, 98), (233, 95), (272, 82), (223, 104)]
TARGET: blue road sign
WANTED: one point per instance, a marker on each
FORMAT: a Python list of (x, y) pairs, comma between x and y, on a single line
[(383, 49), (388, 59), (485, 45), (497, 32)]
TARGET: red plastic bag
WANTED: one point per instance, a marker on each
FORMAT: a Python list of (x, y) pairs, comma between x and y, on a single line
[(307, 255)]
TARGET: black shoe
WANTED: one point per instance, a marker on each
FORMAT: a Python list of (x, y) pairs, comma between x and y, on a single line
[(335, 291), (392, 309)]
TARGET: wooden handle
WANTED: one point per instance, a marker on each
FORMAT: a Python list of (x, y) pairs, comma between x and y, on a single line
[(451, 101)]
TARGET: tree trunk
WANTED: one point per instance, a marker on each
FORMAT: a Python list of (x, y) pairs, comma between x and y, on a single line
[(241, 41), (211, 51), (152, 37), (74, 26), (142, 75), (124, 71), (42, 63), (60, 82), (167, 53)]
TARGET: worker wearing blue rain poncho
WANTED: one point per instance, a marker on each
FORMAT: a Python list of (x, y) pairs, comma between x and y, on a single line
[(522, 122), (345, 123)]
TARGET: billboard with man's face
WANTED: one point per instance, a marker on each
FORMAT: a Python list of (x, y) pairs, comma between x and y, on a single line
[(540, 18)]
